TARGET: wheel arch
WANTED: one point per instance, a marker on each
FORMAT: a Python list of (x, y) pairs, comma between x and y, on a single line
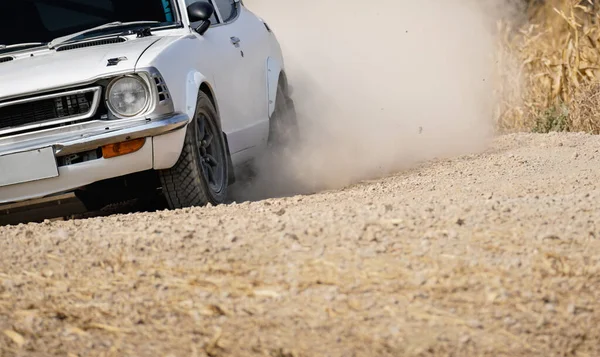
[(275, 75), (207, 89), (196, 83)]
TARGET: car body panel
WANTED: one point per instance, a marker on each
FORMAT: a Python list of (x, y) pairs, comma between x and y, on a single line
[(79, 175), (167, 148), (237, 77), (47, 69), (241, 77), (273, 72)]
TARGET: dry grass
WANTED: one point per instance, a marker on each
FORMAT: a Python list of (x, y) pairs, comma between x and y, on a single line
[(550, 66)]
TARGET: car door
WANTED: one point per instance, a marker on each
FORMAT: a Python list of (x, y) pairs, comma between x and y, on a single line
[(244, 31), (226, 60)]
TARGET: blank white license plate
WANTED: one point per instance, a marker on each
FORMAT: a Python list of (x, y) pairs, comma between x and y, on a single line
[(27, 166)]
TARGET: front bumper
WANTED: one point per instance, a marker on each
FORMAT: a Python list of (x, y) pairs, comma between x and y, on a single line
[(164, 141)]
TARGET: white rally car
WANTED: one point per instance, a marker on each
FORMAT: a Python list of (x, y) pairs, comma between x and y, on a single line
[(109, 98)]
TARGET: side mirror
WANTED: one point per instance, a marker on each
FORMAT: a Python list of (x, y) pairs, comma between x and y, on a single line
[(201, 11)]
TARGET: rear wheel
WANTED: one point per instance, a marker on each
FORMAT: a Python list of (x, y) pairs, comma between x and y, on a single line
[(201, 174), (283, 126)]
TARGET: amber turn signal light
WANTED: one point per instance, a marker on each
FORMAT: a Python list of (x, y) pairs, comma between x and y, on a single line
[(123, 148)]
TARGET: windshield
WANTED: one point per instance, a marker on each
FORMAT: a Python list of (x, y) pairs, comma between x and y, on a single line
[(29, 21)]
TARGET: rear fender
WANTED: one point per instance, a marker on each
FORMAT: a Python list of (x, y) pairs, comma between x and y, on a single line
[(274, 68)]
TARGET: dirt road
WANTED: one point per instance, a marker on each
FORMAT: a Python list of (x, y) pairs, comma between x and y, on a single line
[(494, 254)]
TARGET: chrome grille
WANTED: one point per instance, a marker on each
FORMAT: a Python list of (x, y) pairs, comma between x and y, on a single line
[(161, 88), (52, 109)]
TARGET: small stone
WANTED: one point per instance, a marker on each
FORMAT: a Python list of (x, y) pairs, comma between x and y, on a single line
[(291, 236), (61, 234), (7, 284), (281, 212), (476, 324), (419, 279), (541, 322), (551, 237)]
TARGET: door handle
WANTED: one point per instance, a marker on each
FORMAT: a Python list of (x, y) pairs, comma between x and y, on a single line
[(235, 41)]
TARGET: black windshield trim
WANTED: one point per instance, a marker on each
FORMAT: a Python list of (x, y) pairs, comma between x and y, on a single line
[(118, 30), (21, 49)]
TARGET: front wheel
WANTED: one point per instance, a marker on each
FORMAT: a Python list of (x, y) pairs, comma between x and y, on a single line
[(201, 174)]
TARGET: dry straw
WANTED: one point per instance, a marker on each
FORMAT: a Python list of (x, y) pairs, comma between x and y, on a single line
[(549, 67)]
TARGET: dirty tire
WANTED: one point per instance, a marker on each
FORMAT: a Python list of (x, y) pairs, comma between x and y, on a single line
[(283, 126), (200, 176)]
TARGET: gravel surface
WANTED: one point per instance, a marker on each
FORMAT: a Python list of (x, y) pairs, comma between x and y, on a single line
[(496, 254)]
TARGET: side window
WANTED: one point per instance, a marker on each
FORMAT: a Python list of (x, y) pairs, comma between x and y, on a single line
[(227, 8), (213, 18)]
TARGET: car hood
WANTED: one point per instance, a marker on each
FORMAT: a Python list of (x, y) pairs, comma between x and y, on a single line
[(48, 69)]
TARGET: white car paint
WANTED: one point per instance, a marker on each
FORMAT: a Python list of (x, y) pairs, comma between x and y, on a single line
[(240, 82), (80, 174), (36, 71), (243, 80)]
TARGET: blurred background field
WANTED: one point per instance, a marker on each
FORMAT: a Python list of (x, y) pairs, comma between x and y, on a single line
[(549, 66)]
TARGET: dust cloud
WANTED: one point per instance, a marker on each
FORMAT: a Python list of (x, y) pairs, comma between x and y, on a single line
[(379, 86)]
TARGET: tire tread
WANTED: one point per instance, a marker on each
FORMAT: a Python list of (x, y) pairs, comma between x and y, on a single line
[(183, 184)]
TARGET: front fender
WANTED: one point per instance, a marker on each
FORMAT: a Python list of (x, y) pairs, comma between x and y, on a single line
[(193, 82), (167, 148)]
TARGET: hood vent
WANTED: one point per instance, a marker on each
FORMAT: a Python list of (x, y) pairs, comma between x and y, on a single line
[(107, 41), (6, 59)]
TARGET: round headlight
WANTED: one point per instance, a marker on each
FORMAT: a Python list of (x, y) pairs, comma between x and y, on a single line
[(128, 96)]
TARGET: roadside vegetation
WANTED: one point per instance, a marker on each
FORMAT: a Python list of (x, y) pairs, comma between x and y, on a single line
[(550, 65)]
